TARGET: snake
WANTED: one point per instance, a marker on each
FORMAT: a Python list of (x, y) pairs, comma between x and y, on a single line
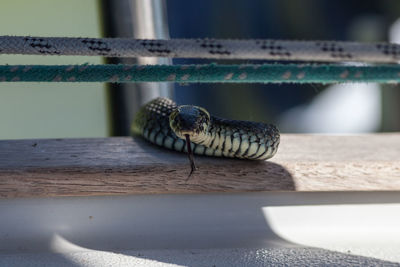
[(191, 129)]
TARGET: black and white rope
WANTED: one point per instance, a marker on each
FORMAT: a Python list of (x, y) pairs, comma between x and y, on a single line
[(324, 51)]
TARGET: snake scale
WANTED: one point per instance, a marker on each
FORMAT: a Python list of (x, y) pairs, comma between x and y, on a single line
[(162, 122)]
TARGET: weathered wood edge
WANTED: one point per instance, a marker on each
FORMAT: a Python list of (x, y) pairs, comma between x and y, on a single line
[(126, 165)]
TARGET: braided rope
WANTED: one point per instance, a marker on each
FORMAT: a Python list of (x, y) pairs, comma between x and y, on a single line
[(212, 73), (325, 51)]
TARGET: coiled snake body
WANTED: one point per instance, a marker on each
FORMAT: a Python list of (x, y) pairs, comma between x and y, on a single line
[(164, 123)]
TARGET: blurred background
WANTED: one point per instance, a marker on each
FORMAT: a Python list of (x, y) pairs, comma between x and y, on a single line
[(50, 110)]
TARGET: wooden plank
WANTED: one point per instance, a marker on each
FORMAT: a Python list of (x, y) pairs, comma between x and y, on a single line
[(125, 165)]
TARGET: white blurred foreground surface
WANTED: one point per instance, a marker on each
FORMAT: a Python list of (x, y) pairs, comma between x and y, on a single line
[(254, 229)]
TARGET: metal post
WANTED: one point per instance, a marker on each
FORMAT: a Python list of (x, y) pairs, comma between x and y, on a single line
[(142, 20)]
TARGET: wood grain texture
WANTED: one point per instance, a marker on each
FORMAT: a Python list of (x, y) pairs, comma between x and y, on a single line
[(112, 166)]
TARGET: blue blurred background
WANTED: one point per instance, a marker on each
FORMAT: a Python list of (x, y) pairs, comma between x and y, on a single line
[(350, 108)]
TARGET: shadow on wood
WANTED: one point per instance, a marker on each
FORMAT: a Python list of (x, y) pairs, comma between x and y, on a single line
[(107, 166), (126, 165)]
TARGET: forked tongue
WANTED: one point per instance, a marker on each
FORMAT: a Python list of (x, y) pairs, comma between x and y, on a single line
[(190, 154)]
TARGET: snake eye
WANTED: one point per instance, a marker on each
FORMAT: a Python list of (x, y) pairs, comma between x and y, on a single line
[(174, 120), (204, 114)]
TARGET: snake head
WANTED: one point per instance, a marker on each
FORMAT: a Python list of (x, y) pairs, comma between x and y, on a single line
[(189, 120)]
